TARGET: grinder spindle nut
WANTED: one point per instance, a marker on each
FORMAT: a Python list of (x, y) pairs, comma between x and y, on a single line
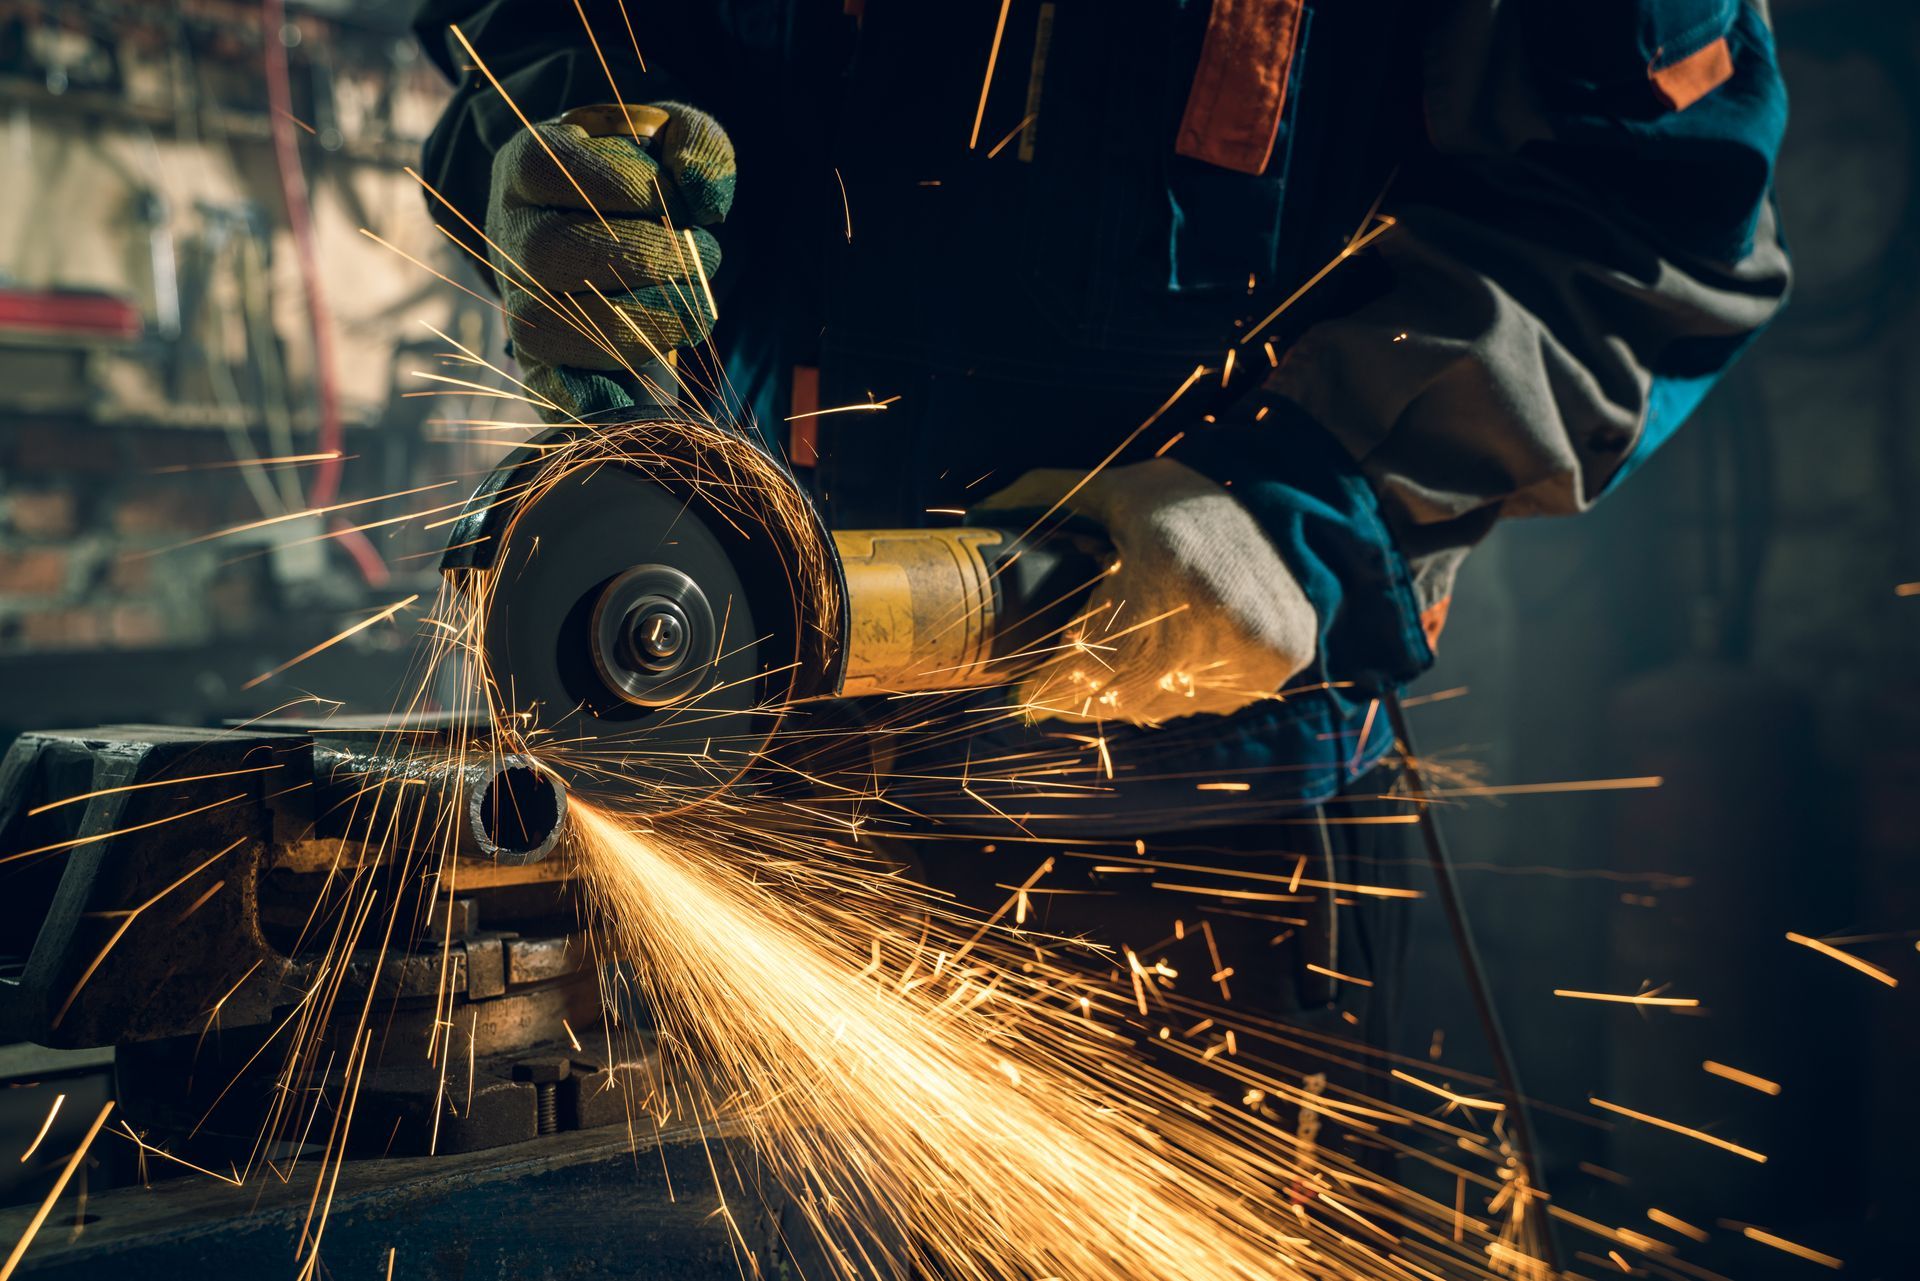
[(654, 636)]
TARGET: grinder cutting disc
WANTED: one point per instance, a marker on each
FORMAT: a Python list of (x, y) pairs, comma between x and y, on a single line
[(647, 638)]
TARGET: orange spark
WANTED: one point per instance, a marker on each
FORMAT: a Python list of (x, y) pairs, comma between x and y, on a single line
[(940, 1107), (1458, 1100), (1336, 974), (1678, 1224), (846, 208), (1845, 958), (1738, 1077), (78, 841), (288, 115), (1151, 419), (267, 521), (986, 83), (1313, 280), (137, 787), (842, 409), (1438, 696), (282, 460), (1677, 1128), (131, 915), (507, 98), (53, 1194), (619, 98), (1811, 1255), (700, 270), (45, 1126), (1216, 891), (1013, 133), (380, 616), (1537, 789), (1679, 1002), (147, 1149), (493, 303), (628, 19)]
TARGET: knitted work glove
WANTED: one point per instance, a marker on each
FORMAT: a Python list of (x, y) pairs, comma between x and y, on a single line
[(614, 215), (1200, 614)]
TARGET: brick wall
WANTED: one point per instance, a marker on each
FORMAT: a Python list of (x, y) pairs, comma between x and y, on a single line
[(84, 519)]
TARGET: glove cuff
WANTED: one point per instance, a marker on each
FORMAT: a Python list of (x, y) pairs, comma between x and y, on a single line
[(1321, 514)]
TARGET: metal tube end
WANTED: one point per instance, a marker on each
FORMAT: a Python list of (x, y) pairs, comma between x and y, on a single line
[(517, 812)]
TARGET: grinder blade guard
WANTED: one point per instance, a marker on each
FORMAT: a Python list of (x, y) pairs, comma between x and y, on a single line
[(649, 597)]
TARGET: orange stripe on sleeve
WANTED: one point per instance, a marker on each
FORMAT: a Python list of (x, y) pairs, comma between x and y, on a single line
[(1683, 83)]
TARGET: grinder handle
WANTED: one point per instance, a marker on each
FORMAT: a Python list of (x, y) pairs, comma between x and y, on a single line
[(606, 119)]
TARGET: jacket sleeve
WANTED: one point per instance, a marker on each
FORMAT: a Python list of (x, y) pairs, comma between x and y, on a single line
[(1585, 245), (541, 53)]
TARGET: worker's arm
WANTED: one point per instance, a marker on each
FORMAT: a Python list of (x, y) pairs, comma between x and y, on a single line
[(1588, 242)]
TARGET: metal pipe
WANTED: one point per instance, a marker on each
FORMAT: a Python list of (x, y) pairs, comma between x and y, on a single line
[(507, 809)]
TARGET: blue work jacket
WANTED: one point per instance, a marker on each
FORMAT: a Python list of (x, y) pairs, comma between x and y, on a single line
[(1471, 259)]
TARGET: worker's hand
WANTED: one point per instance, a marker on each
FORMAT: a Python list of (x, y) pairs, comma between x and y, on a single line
[(1200, 614), (595, 240)]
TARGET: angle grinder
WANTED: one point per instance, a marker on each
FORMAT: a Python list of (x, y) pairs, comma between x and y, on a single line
[(653, 596)]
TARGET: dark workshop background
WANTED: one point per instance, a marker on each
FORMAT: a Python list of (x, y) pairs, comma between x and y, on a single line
[(1729, 621)]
